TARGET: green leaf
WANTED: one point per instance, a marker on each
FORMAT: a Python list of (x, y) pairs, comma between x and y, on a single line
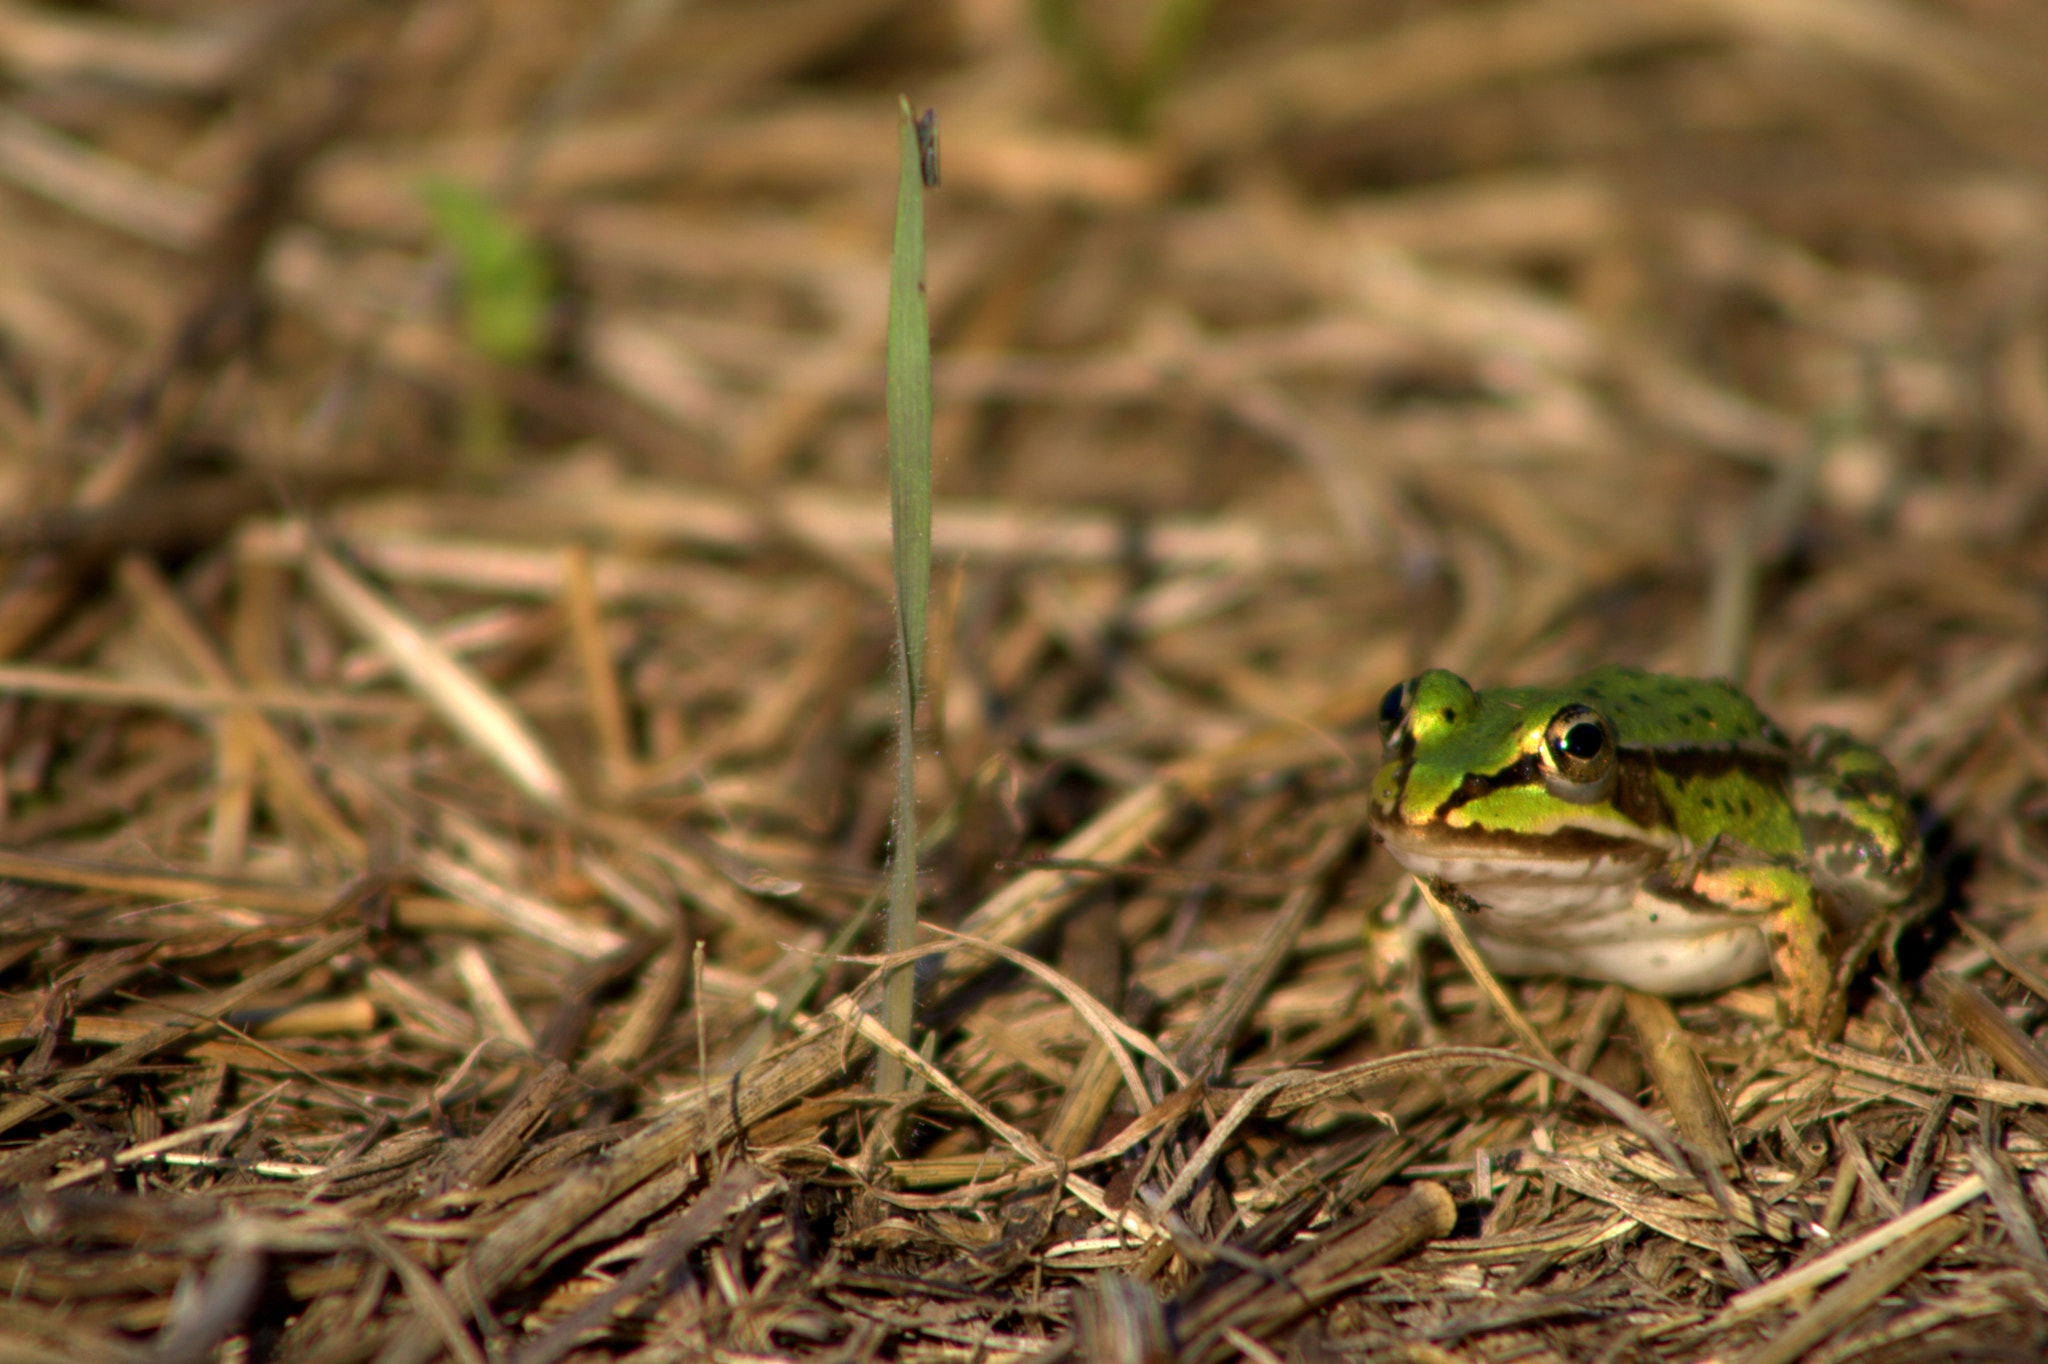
[(504, 275), (909, 407)]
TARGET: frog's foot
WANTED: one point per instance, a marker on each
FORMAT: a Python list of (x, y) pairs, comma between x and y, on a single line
[(1398, 1004)]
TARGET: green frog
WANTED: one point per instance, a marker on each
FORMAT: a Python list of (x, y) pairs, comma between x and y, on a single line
[(1659, 832)]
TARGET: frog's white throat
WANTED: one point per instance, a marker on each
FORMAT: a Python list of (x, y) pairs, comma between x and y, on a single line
[(1590, 917)]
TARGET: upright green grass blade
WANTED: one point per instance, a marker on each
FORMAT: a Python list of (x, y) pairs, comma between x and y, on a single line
[(910, 515)]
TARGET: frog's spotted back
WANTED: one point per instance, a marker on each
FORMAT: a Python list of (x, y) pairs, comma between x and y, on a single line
[(1656, 709)]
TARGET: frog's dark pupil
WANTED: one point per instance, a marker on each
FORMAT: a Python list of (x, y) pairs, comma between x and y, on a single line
[(1584, 740)]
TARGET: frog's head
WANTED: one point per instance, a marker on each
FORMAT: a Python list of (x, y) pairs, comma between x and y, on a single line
[(1500, 771)]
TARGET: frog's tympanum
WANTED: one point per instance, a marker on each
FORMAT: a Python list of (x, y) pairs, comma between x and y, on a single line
[(1654, 831)]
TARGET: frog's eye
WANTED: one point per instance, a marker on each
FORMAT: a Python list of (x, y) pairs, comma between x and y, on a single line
[(1579, 755), (1393, 710)]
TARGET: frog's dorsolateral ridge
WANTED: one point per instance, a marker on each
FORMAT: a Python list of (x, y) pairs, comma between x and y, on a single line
[(1655, 831)]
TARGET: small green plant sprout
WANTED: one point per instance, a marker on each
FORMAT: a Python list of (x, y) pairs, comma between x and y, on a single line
[(1125, 85), (504, 288)]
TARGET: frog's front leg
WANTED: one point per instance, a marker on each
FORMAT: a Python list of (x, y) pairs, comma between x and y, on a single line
[(1803, 961), (1787, 907), (1398, 1002)]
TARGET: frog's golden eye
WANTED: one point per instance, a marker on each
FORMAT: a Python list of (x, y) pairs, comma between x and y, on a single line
[(1579, 754), (1394, 709)]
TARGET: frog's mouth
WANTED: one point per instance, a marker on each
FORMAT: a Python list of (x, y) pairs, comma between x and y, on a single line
[(1490, 862), (1618, 860), (1561, 851)]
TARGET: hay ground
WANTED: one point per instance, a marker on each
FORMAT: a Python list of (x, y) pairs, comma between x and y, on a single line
[(443, 789)]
